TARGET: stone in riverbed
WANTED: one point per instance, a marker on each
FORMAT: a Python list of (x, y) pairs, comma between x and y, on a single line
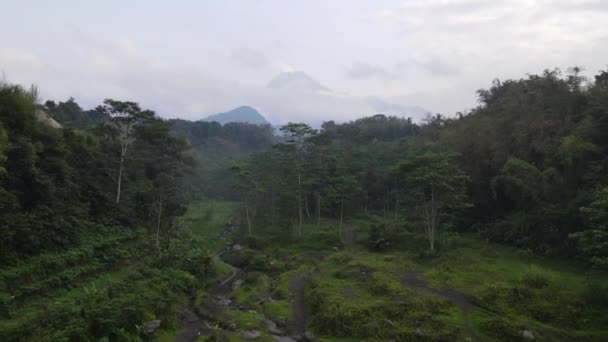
[(527, 334), (273, 329), (250, 335), (237, 283), (150, 327), (281, 322), (308, 336), (283, 339)]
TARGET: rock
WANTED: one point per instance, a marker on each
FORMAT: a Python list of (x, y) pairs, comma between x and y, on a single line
[(308, 336), (224, 301), (187, 316), (250, 335), (527, 334), (237, 283), (273, 262), (283, 339), (231, 326), (273, 329), (236, 247), (418, 331), (281, 322), (335, 248), (150, 327)]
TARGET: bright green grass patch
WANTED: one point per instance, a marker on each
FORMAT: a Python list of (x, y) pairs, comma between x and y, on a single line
[(247, 320), (206, 220), (277, 308), (256, 286)]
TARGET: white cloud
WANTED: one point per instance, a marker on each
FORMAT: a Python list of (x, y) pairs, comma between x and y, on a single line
[(211, 58)]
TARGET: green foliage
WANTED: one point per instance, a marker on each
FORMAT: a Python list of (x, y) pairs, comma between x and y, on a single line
[(593, 242)]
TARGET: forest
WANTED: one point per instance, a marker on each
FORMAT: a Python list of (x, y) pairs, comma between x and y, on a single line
[(485, 225)]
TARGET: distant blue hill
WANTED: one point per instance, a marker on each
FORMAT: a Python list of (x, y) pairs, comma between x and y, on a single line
[(240, 114)]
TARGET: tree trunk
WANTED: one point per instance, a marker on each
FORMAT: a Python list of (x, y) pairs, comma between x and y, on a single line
[(300, 201), (306, 206), (119, 180), (124, 146), (318, 210), (158, 219), (395, 224), (272, 207), (248, 220), (341, 213), (433, 220)]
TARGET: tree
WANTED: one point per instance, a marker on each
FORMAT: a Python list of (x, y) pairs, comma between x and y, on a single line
[(297, 135), (436, 184), (124, 116), (593, 242), (247, 187)]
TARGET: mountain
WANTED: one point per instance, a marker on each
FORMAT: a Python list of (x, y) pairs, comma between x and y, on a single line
[(295, 80), (240, 114)]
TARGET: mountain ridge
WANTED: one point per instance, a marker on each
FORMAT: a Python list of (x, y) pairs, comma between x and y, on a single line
[(239, 114)]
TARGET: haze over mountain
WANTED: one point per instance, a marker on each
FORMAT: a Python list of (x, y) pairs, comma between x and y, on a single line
[(239, 114), (295, 81)]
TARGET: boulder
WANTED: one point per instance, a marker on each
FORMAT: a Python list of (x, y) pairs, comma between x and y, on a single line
[(236, 247), (283, 339), (187, 316), (335, 248), (273, 329), (527, 334), (224, 301), (250, 335), (281, 322), (237, 283), (308, 336), (150, 328)]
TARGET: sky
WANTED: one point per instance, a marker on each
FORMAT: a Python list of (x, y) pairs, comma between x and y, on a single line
[(308, 61)]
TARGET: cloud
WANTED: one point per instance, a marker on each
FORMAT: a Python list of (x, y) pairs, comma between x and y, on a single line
[(367, 71), (368, 56), (249, 58)]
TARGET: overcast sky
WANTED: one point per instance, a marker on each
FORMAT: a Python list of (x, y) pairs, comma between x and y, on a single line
[(194, 58)]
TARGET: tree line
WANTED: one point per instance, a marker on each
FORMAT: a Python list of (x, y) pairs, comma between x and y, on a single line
[(527, 167), (122, 168)]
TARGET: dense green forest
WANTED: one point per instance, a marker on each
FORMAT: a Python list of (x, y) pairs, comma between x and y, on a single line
[(486, 225), (528, 168)]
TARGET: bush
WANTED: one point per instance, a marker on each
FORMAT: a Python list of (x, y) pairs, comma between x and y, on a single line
[(535, 279), (377, 240)]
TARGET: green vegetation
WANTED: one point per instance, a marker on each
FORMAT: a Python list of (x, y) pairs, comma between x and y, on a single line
[(491, 225)]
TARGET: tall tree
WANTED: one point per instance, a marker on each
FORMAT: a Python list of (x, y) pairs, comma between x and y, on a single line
[(124, 116), (297, 136), (436, 184)]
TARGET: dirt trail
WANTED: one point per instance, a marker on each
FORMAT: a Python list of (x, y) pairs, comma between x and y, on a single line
[(414, 281), (194, 325), (350, 239), (297, 325)]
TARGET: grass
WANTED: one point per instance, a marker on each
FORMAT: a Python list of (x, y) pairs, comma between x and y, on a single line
[(516, 291), (206, 220)]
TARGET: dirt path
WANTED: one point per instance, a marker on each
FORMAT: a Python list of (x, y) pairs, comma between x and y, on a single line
[(297, 325), (350, 239), (414, 281)]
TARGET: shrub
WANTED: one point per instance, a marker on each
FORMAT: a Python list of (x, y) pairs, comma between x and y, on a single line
[(535, 278)]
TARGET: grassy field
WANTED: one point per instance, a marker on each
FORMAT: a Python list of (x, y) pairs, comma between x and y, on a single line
[(206, 220), (363, 295)]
